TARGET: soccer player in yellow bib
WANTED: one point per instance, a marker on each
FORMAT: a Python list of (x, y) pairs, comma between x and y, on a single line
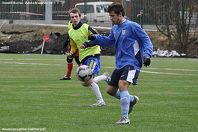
[(75, 55), (78, 34)]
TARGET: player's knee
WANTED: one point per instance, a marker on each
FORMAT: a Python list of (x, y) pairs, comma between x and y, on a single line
[(123, 85), (69, 60), (85, 84), (110, 91)]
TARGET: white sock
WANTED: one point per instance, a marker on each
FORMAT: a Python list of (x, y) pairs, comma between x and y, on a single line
[(99, 78), (96, 90)]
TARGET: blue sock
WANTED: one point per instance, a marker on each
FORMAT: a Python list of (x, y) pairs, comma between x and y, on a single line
[(124, 100), (117, 95)]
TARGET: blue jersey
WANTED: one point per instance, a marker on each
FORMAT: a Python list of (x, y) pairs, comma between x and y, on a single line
[(131, 43)]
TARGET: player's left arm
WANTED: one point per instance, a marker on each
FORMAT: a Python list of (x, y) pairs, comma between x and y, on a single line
[(146, 43)]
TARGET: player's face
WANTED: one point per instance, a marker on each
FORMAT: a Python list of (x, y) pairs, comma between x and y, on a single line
[(75, 18), (116, 19)]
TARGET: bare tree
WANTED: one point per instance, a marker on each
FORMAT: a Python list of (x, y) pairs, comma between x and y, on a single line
[(177, 20)]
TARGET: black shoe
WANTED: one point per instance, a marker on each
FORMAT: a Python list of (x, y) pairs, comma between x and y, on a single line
[(66, 78), (136, 99)]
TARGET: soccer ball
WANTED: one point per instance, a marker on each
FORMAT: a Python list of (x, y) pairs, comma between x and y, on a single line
[(84, 73)]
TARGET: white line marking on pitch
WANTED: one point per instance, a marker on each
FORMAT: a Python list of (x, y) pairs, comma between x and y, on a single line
[(163, 69), (22, 63), (170, 69), (43, 64), (27, 59), (165, 73)]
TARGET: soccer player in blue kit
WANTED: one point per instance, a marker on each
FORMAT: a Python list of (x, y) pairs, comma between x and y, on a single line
[(133, 49)]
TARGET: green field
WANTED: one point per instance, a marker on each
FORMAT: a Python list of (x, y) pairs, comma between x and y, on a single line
[(33, 97)]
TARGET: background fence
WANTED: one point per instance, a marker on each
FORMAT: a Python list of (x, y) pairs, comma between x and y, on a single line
[(25, 10), (140, 11)]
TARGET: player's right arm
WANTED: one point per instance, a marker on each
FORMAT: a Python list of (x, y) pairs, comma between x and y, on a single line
[(66, 45), (99, 40), (73, 48)]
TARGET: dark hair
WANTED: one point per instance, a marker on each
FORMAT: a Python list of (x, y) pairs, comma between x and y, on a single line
[(117, 8), (75, 10)]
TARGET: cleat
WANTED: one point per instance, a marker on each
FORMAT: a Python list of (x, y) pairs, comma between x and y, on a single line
[(136, 99), (123, 120), (106, 74), (66, 78), (99, 103)]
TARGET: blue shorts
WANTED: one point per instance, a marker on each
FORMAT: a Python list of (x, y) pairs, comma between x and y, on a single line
[(94, 64), (127, 73)]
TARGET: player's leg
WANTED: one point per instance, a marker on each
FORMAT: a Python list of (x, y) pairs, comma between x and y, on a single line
[(69, 69), (133, 100), (69, 66), (94, 64), (104, 77), (131, 77), (124, 102), (127, 77), (113, 84), (123, 95)]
